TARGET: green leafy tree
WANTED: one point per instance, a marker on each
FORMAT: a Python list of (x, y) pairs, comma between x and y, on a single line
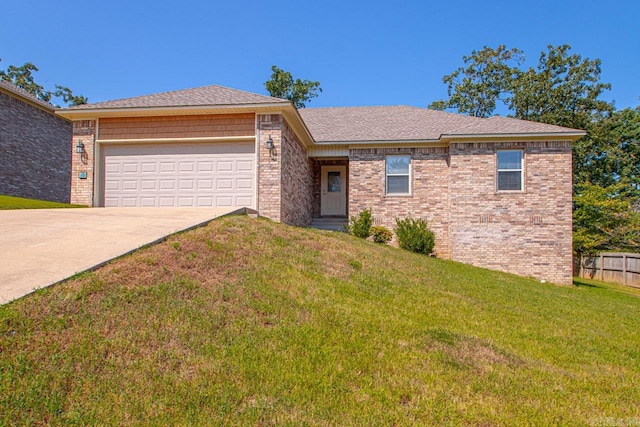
[(604, 220), (486, 79), (282, 85), (23, 78), (563, 90), (610, 154)]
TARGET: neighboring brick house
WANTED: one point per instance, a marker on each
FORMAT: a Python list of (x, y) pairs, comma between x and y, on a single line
[(497, 192), (35, 156)]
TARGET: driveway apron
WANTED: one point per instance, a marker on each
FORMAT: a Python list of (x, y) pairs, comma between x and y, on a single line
[(39, 247)]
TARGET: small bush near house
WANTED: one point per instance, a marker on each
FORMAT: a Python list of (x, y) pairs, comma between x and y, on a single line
[(414, 235), (360, 226), (381, 234)]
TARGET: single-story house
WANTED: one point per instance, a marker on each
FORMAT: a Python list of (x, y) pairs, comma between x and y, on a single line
[(35, 157), (497, 192)]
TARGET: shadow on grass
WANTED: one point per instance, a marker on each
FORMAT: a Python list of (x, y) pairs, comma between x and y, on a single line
[(580, 282)]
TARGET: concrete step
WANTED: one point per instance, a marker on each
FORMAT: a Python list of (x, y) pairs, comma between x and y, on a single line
[(329, 223)]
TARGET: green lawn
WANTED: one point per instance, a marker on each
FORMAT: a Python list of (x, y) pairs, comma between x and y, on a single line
[(11, 202), (249, 322)]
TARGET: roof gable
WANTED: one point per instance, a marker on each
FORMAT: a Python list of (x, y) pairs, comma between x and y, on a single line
[(212, 95)]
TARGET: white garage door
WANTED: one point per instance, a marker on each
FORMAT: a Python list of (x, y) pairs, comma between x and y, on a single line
[(220, 174)]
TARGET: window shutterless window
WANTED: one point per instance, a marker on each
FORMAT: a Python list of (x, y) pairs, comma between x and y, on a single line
[(397, 174), (510, 170)]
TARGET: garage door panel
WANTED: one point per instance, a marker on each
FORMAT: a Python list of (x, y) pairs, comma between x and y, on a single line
[(244, 166), (225, 166), (180, 175)]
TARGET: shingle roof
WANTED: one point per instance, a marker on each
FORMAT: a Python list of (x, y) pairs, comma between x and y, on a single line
[(200, 96), (24, 94), (403, 123), (508, 125)]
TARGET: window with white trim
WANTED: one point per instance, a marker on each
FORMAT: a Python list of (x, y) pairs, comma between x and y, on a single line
[(398, 174), (510, 170)]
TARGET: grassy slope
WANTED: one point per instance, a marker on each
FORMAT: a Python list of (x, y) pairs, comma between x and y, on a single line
[(11, 202), (251, 322)]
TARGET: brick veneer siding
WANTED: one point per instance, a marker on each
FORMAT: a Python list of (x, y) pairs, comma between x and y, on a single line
[(35, 159), (527, 233), (297, 180), (285, 177), (269, 166), (429, 189), (82, 189)]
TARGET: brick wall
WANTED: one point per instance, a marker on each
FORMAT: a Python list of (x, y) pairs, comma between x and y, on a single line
[(82, 188), (429, 189), (454, 189), (35, 159), (269, 166), (297, 180), (285, 177), (527, 233), (211, 125)]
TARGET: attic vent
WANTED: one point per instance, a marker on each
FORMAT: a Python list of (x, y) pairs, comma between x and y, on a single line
[(535, 219)]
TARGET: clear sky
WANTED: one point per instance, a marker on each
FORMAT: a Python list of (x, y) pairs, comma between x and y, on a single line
[(363, 52)]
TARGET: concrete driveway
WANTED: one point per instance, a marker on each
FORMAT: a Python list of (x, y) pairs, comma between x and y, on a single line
[(39, 247)]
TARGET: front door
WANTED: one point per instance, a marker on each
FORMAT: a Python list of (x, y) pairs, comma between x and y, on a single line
[(333, 200)]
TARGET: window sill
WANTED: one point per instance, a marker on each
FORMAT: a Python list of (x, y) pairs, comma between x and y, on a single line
[(510, 192), (398, 195)]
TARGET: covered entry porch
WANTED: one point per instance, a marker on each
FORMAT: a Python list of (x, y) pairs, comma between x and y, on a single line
[(330, 192)]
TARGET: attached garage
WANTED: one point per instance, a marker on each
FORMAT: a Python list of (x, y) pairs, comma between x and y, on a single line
[(180, 174)]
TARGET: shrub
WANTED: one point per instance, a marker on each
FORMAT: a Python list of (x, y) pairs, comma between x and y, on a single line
[(360, 226), (414, 235), (381, 234)]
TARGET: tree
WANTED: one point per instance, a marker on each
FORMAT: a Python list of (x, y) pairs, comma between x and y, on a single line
[(282, 85), (23, 78), (563, 90), (604, 220), (487, 78), (610, 154)]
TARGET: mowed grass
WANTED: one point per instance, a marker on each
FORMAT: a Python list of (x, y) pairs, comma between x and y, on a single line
[(249, 322), (11, 202)]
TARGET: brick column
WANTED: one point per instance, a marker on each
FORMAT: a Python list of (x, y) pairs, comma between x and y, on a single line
[(82, 166), (269, 166)]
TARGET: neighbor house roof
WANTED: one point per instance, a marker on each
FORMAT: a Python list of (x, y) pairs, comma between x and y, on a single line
[(404, 123), (213, 95), (24, 95)]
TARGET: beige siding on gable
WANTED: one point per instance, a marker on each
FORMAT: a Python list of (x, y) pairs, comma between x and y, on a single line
[(200, 126)]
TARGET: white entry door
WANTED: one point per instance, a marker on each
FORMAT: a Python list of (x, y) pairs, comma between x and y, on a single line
[(333, 200)]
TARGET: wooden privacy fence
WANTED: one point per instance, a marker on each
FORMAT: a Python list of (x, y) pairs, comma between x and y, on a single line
[(616, 267)]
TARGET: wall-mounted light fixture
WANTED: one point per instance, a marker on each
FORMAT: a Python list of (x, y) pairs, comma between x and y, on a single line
[(270, 143), (80, 147)]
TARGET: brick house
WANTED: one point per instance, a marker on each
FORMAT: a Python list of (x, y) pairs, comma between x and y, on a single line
[(35, 159), (497, 192)]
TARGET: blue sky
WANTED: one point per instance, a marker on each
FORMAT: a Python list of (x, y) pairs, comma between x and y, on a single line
[(363, 53)]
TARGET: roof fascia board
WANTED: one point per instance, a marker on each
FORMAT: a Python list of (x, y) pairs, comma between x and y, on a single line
[(90, 113), (571, 136), (378, 142)]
